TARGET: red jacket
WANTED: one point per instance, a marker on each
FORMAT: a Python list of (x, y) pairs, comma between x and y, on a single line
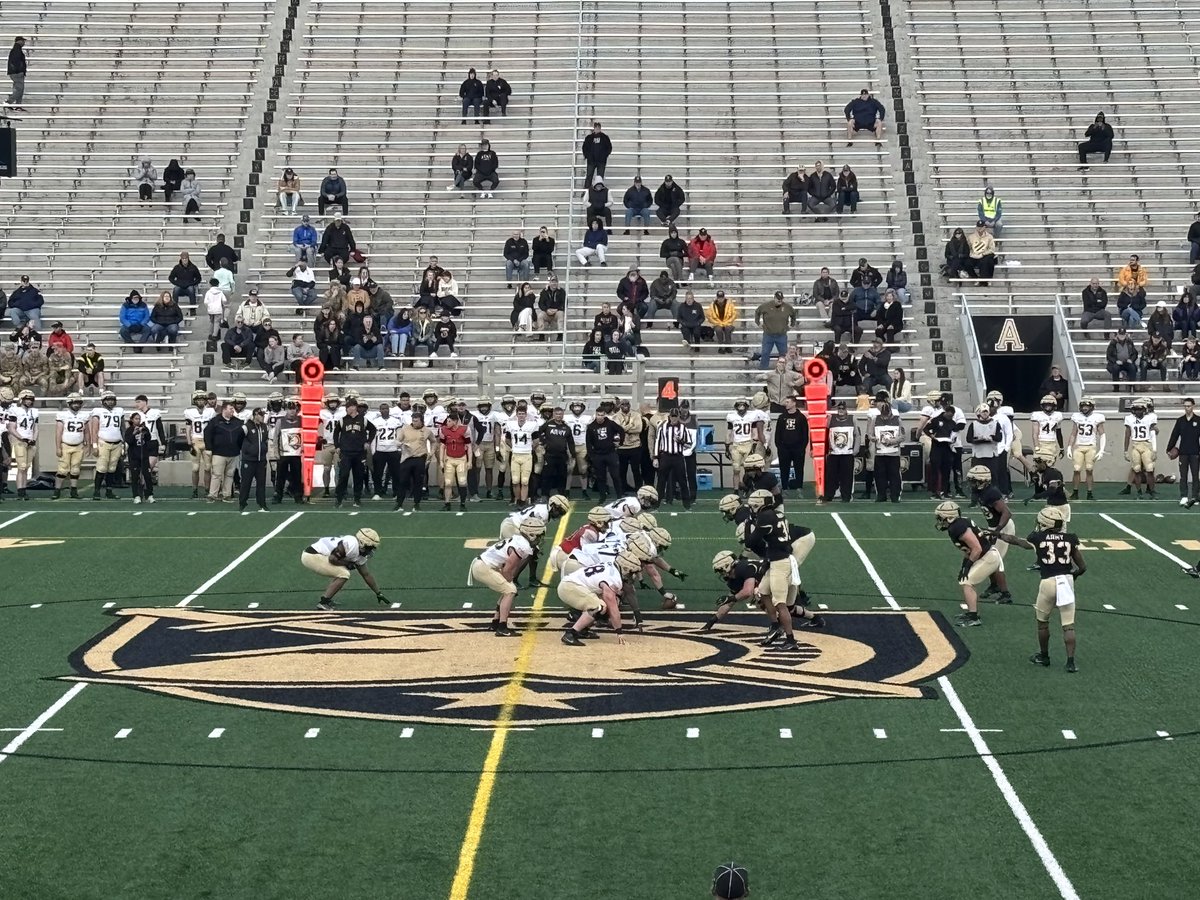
[(60, 340), (702, 249)]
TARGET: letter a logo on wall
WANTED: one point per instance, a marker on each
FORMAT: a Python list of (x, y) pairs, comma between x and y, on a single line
[(1009, 340)]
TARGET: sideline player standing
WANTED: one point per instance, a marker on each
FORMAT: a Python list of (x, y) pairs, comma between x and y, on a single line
[(1141, 447), (70, 429), (336, 557)]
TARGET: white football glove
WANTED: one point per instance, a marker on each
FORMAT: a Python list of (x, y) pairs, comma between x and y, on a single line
[(1100, 456)]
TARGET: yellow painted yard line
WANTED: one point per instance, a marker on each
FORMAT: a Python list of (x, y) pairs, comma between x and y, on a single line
[(491, 764)]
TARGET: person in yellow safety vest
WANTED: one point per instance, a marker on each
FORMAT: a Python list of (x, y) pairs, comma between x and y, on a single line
[(990, 209)]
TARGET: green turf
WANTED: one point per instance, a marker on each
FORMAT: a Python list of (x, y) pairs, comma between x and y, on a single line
[(832, 811)]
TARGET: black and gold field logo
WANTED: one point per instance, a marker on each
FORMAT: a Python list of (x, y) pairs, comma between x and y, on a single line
[(449, 669)]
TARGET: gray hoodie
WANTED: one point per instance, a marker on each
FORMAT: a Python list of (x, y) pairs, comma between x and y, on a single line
[(145, 173)]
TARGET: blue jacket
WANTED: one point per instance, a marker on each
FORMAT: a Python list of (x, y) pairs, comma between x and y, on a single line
[(1187, 317), (594, 237), (400, 324), (25, 298), (305, 236), (134, 313)]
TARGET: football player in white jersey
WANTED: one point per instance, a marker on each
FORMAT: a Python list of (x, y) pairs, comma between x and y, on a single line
[(508, 409), (497, 568), (70, 436), (1087, 432), (385, 450), (1141, 447), (1009, 448), (338, 557), (1047, 424), (22, 426), (197, 416), (546, 513), (578, 420), (646, 499), (435, 413), (327, 455), (595, 591), (745, 433), (240, 411), (520, 434), (152, 419), (483, 436), (107, 423)]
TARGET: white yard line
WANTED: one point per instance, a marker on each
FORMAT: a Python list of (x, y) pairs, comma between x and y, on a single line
[(246, 554), (16, 519), (1149, 543), (1032, 832), (15, 744)]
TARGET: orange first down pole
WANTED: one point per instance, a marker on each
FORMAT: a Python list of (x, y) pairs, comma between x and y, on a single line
[(312, 397), (816, 399)]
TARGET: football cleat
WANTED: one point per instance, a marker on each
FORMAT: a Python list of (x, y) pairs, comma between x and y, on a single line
[(1039, 659), (571, 638)]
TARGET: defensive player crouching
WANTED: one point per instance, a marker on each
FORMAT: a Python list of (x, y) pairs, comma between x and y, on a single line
[(595, 591), (999, 519), (742, 576), (554, 508), (497, 566), (337, 557), (981, 558), (1060, 563), (590, 532), (646, 498)]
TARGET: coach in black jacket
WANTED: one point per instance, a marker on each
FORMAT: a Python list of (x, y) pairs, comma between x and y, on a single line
[(1185, 440), (604, 436), (254, 460)]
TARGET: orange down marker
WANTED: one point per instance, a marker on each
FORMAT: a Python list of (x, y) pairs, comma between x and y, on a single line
[(312, 398), (816, 399)]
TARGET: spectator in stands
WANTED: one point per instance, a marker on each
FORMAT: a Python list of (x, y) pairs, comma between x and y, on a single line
[(190, 191), (1121, 357), (1189, 359), (958, 255), (524, 309), (57, 338), (289, 191), (24, 304), (173, 176), (516, 258), (795, 190), (496, 93), (333, 193), (222, 251), (629, 331), (422, 331), (864, 114), (448, 294), (662, 297), (487, 169), (445, 333), (184, 278), (1193, 237), (702, 254), (865, 281), (674, 250), (781, 381), (633, 292), (462, 164), (329, 341), (1057, 387), (824, 291), (304, 241), (897, 280), (253, 311), (552, 305), (165, 319), (901, 391), (262, 337), (1186, 314), (225, 279), (873, 366), (596, 149), (216, 306), (18, 66), (597, 199), (774, 317), (90, 370), (428, 290), (338, 243), (334, 295), (238, 343), (399, 329), (304, 286), (1154, 357), (145, 176), (637, 202), (606, 320), (471, 91), (26, 339), (1133, 273), (1097, 139), (690, 317), (381, 303), (822, 192), (1131, 303), (352, 325), (134, 317), (593, 350), (1095, 307), (368, 345), (846, 377), (595, 245), (981, 263), (669, 198), (543, 251), (843, 319), (990, 210), (1161, 323), (273, 359), (722, 317), (889, 318), (847, 190)]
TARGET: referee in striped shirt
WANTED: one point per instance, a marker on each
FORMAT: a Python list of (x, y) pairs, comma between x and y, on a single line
[(670, 441)]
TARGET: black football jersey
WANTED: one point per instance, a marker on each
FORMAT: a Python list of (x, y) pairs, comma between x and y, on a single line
[(958, 529), (772, 528), (742, 569), (988, 498), (1055, 495), (1054, 551)]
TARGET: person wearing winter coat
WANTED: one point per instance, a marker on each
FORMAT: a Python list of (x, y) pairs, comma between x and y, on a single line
[(1097, 139), (669, 198), (722, 316), (524, 309), (471, 92), (897, 280), (145, 176), (958, 254), (595, 245), (333, 193), (593, 350), (1193, 239), (690, 316), (448, 294), (596, 149), (338, 241), (190, 191), (865, 281), (134, 317), (215, 305), (25, 304), (663, 292), (674, 251), (487, 169), (552, 303), (399, 329), (304, 285), (824, 291), (173, 176), (637, 202), (297, 351), (842, 318), (496, 94), (273, 359), (597, 198), (633, 292), (221, 251), (795, 190), (253, 311), (328, 333), (368, 345), (1160, 323), (822, 192), (165, 319), (184, 278), (516, 258), (238, 343), (543, 251), (1186, 315), (889, 318), (422, 331), (1131, 303), (380, 302), (462, 164), (138, 450), (702, 254), (847, 190), (304, 241)]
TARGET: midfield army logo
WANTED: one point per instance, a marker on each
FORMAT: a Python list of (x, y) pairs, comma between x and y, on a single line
[(449, 669)]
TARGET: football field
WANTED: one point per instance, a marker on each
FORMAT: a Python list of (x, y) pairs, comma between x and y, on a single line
[(180, 721)]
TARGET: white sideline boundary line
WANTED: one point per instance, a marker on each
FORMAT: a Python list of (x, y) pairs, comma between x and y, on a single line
[(16, 519), (15, 744), (245, 554), (1049, 861), (1149, 543)]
